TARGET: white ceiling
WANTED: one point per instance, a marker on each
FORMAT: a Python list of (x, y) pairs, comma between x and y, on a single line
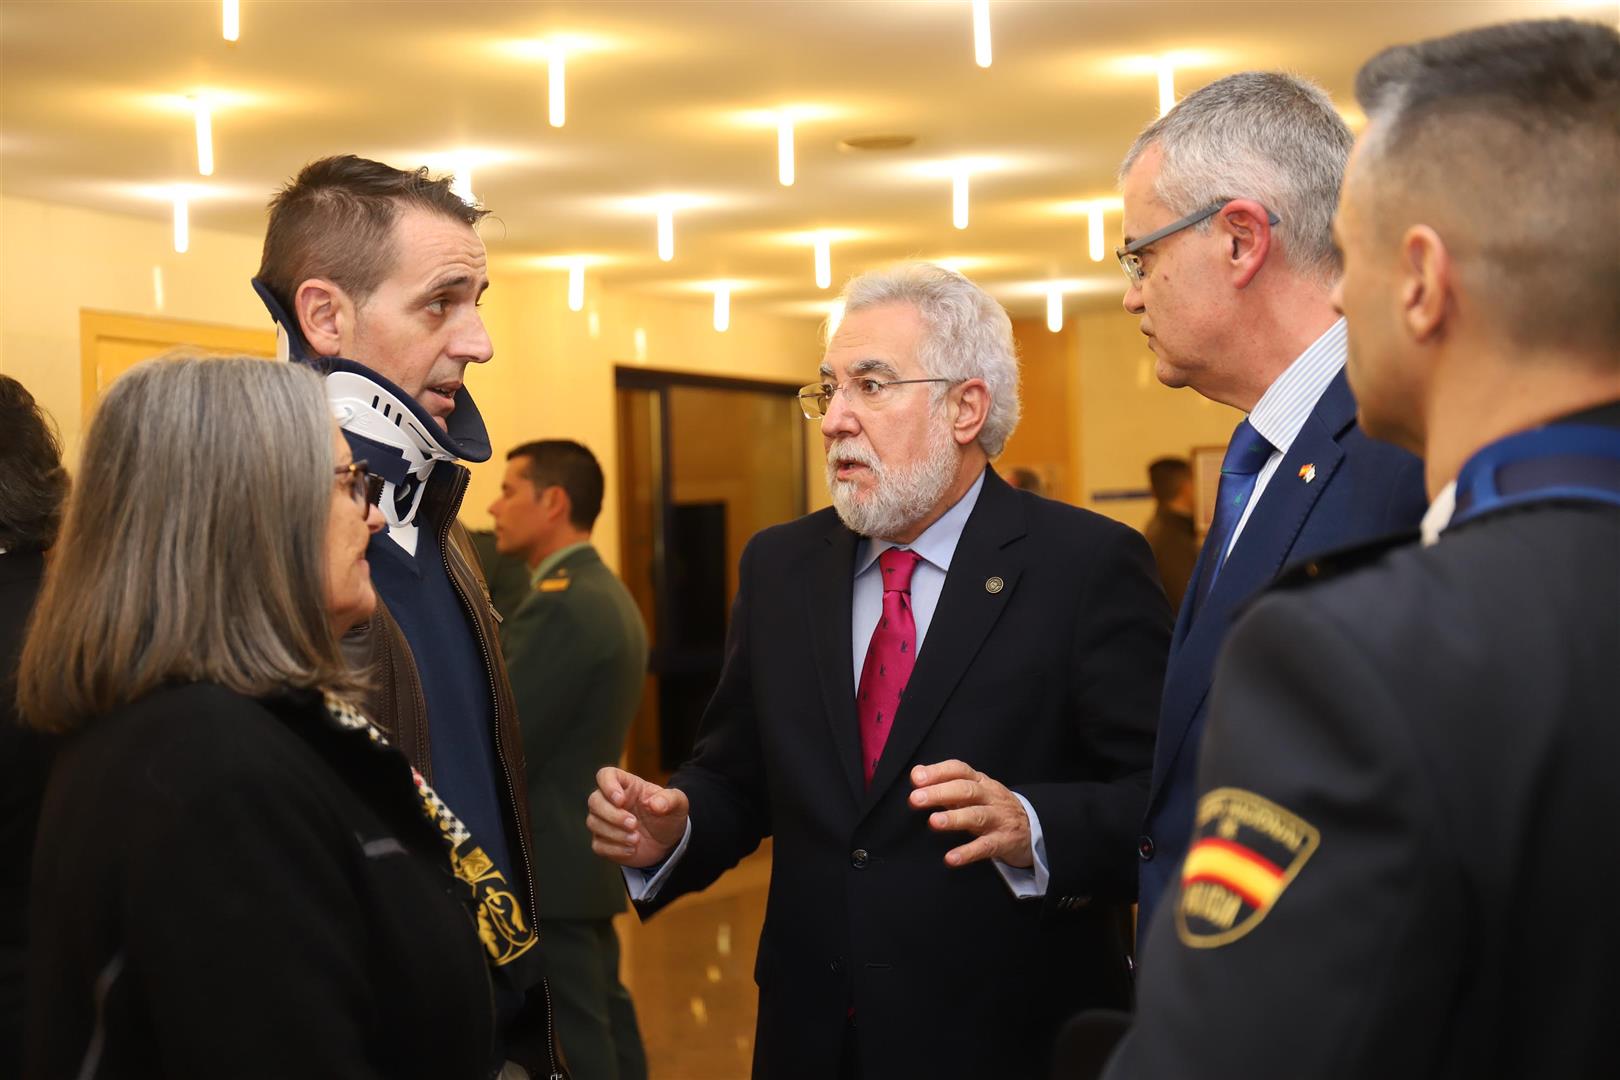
[(669, 98)]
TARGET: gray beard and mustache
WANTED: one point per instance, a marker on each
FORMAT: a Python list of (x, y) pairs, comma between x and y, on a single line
[(901, 495)]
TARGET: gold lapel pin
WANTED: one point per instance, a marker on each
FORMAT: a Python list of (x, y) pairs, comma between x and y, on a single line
[(1307, 473), (994, 585)]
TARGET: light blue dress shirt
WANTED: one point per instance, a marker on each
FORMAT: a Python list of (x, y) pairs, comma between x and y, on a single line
[(936, 546)]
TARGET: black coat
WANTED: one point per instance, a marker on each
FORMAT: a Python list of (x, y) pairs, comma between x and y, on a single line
[(250, 891), (1048, 683), (1442, 726), (24, 763)]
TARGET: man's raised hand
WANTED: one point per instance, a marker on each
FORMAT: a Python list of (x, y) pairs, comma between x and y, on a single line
[(634, 822)]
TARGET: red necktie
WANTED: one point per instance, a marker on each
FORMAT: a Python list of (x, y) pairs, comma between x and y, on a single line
[(889, 657)]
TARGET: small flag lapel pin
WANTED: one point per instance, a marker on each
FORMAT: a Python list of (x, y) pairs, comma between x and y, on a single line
[(1307, 473)]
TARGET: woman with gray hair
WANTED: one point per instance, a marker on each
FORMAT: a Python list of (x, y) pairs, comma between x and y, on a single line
[(235, 874)]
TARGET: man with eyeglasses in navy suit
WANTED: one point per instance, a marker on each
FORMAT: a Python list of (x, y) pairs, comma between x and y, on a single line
[(1229, 203)]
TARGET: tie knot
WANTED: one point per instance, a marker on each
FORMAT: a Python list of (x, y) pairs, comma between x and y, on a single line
[(1246, 454), (897, 565)]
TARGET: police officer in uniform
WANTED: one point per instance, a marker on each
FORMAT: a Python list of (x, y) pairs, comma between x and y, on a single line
[(1404, 860), (577, 652)]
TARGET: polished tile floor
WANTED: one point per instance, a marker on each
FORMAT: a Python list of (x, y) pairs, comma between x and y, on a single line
[(691, 972)]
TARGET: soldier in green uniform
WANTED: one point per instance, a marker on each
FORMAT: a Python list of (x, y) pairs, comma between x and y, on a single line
[(577, 652)]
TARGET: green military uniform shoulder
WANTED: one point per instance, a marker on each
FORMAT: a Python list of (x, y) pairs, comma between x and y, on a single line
[(1335, 564)]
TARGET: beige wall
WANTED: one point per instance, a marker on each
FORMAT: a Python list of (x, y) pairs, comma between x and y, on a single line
[(56, 260), (550, 376), (1127, 418), (552, 379), (1049, 389), (1095, 414)]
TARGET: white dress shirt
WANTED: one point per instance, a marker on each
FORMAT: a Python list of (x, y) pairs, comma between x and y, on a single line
[(1282, 410), (1438, 516)]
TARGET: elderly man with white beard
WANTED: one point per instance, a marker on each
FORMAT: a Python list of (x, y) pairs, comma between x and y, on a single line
[(938, 698)]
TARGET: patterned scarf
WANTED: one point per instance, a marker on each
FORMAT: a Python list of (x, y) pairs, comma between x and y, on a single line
[(501, 926)]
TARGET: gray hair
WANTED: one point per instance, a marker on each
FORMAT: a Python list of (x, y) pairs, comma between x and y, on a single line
[(1260, 135), (194, 546), (966, 334)]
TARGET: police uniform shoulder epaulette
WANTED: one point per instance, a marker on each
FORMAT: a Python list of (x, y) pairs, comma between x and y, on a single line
[(556, 582), (1342, 561)]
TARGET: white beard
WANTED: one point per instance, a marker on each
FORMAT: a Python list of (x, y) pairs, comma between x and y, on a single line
[(900, 496)]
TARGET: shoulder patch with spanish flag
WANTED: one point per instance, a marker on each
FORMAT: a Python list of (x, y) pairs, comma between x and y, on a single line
[(1246, 850)]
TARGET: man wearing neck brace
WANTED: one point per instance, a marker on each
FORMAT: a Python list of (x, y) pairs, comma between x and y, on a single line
[(374, 276)]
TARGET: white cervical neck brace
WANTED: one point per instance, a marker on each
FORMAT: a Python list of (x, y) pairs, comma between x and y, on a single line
[(392, 424)]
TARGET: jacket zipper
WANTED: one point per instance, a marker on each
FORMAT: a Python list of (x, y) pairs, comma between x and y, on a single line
[(463, 478)]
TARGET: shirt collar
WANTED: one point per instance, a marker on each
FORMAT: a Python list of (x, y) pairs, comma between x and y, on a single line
[(1438, 516), (1287, 403), (550, 562), (937, 543)]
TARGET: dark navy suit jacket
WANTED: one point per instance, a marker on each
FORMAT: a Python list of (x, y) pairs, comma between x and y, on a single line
[(1363, 489)]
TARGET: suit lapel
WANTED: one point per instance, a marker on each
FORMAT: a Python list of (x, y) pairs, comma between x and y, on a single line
[(1262, 551), (967, 610), (828, 597), (1184, 617)]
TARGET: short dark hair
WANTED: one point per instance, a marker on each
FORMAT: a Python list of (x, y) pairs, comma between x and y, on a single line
[(566, 464), (335, 220), (1510, 132), (33, 483), (1167, 476)]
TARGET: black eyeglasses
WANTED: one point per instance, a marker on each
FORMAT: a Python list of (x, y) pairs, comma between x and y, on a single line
[(1131, 262), (365, 486)]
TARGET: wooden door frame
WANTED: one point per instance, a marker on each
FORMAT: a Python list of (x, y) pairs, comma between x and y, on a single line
[(164, 333)]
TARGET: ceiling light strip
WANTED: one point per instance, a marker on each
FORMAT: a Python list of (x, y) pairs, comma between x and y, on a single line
[(666, 233), (205, 137), (556, 67), (981, 33), (1167, 86), (784, 150), (722, 307), (576, 285)]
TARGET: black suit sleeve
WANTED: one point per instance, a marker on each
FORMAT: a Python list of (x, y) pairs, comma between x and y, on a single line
[(1113, 683), (725, 777), (1334, 967)]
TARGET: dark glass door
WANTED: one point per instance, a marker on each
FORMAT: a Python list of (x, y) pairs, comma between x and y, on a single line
[(705, 464)]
